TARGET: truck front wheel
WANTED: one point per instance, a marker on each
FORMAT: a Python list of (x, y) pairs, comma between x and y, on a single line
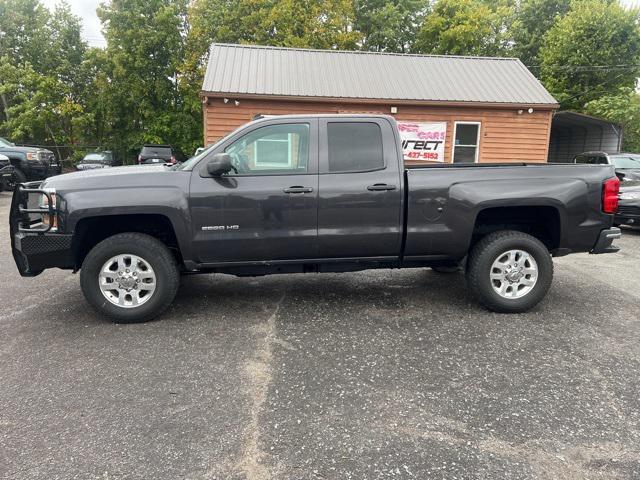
[(130, 277), (18, 176), (509, 271)]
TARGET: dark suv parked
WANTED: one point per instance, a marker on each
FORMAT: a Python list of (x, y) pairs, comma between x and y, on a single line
[(156, 154), (97, 160)]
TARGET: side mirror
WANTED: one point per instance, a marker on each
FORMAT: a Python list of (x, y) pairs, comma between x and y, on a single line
[(219, 164)]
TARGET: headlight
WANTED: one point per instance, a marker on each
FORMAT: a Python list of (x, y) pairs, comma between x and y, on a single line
[(49, 220), (32, 155)]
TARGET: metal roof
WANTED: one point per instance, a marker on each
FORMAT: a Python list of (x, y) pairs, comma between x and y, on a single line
[(293, 72)]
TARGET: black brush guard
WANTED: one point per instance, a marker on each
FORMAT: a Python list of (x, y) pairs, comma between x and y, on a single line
[(34, 245)]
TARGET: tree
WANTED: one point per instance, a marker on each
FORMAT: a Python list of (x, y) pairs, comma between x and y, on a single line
[(42, 88), (467, 27), (592, 51), (24, 33), (322, 24), (534, 18), (389, 26), (145, 45), (622, 107)]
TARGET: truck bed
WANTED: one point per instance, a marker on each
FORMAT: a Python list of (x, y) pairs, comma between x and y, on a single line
[(444, 203)]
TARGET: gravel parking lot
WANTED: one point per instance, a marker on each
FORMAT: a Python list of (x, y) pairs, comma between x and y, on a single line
[(381, 374)]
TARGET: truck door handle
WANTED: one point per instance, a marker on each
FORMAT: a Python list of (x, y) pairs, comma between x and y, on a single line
[(298, 189), (380, 186)]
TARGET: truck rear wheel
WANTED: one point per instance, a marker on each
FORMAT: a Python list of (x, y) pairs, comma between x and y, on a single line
[(130, 277), (509, 271)]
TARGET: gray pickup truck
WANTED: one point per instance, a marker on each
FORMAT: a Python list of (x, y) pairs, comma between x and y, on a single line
[(296, 194)]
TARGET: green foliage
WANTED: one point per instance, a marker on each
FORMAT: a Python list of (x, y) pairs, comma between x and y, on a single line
[(389, 26), (622, 107), (534, 18), (593, 33), (467, 27), (42, 89)]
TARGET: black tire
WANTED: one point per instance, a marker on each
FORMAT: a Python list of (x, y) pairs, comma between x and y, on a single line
[(152, 251), (18, 176), (479, 266)]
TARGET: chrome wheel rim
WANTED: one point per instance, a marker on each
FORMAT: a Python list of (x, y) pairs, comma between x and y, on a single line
[(513, 274), (127, 281)]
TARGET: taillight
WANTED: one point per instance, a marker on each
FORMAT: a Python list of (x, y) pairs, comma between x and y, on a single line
[(610, 191), (173, 159)]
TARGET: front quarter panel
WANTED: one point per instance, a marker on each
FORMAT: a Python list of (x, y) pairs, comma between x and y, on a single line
[(161, 193)]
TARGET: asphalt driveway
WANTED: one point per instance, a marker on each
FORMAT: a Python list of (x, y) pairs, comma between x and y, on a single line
[(381, 374)]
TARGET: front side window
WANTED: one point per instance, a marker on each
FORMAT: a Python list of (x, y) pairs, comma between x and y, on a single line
[(465, 144), (275, 149), (354, 147)]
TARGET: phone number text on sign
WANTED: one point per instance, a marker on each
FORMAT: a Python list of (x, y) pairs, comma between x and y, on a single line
[(423, 141)]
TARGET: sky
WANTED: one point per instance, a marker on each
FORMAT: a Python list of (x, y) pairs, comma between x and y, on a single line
[(86, 10)]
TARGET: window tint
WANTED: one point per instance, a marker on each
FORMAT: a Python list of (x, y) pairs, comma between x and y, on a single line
[(354, 146), (465, 144), (276, 149), (157, 150)]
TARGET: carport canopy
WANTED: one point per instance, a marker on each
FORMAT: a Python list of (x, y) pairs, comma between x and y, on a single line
[(573, 133)]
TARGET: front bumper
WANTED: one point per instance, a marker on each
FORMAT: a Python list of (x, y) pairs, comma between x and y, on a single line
[(35, 252), (6, 176), (605, 241), (35, 249)]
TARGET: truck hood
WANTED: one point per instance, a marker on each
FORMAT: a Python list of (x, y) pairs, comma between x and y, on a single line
[(108, 177), (24, 149)]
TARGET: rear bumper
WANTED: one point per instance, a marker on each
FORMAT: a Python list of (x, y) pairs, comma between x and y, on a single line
[(605, 241)]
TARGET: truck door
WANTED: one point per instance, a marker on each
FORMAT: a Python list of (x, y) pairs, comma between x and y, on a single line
[(360, 183), (267, 208)]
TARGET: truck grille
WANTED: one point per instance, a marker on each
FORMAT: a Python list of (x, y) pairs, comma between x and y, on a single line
[(48, 157)]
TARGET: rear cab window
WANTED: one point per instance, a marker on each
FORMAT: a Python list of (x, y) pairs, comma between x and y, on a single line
[(160, 151), (354, 147)]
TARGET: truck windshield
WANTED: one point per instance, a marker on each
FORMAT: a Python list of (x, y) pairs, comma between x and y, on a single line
[(190, 163), (6, 143), (626, 161)]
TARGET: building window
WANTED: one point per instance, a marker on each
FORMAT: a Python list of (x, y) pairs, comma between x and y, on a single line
[(466, 140), (273, 151), (354, 147)]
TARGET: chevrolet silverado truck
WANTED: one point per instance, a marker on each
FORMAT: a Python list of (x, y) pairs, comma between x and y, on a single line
[(30, 163), (296, 194)]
